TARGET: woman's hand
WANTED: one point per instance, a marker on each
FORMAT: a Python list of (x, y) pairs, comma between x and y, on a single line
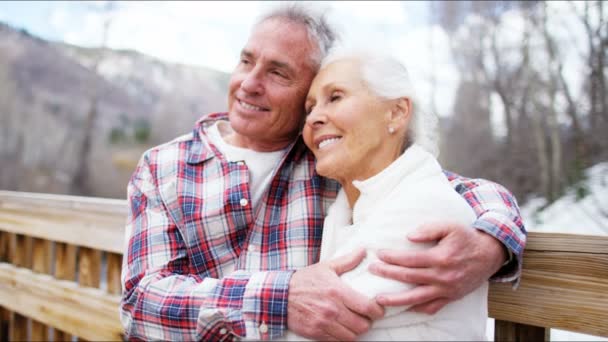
[(460, 262)]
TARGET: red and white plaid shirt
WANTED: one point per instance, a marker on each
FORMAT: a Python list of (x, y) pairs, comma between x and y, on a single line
[(201, 265)]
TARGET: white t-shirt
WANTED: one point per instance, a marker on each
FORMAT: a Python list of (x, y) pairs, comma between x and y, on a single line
[(261, 165)]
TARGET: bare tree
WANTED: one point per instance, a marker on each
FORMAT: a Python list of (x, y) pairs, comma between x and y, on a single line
[(79, 184)]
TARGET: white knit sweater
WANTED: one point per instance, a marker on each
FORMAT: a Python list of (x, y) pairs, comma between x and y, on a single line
[(411, 191)]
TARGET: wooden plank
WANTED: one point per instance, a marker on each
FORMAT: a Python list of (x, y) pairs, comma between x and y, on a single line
[(20, 256), (41, 263), (65, 269), (89, 267), (516, 332), (99, 231), (73, 203), (85, 312), (559, 290), (558, 242), (114, 265), (4, 314)]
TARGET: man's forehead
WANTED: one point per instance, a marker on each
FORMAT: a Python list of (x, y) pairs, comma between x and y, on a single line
[(281, 43)]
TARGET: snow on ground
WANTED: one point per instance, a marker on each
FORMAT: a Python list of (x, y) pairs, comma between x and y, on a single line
[(588, 215)]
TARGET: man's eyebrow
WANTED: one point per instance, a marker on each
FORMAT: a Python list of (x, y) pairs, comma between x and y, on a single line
[(281, 65), (245, 53)]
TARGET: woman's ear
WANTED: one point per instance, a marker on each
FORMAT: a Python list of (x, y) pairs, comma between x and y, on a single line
[(401, 112)]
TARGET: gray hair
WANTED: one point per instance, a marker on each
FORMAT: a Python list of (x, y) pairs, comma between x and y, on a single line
[(320, 32), (387, 77)]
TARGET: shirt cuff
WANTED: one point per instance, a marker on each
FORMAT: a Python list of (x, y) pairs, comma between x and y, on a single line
[(512, 237), (265, 304)]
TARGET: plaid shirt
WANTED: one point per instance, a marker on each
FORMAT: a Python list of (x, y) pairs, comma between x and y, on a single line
[(201, 265)]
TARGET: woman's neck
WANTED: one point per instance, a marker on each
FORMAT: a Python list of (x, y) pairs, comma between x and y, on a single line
[(352, 193)]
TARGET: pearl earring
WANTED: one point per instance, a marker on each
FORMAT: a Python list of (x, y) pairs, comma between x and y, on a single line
[(391, 130)]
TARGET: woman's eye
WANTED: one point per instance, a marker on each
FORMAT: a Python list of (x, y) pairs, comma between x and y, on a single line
[(335, 97), (309, 109)]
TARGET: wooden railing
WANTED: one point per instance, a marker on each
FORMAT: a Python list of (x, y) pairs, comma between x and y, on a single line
[(60, 259)]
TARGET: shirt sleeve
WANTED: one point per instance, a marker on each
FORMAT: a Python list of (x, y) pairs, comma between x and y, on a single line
[(163, 299), (498, 215)]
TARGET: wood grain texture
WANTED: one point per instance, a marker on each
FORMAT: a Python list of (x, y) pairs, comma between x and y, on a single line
[(516, 332), (20, 248), (41, 263), (85, 312), (114, 265), (564, 285), (94, 223), (65, 269)]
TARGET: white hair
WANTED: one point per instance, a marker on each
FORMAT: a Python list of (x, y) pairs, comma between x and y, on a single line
[(387, 77), (320, 31)]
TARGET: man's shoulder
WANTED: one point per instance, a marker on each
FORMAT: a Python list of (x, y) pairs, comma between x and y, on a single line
[(184, 142)]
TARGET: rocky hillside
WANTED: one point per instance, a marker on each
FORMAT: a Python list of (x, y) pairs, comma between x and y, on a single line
[(47, 90)]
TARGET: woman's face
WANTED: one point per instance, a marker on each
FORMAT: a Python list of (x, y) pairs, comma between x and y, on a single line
[(347, 125)]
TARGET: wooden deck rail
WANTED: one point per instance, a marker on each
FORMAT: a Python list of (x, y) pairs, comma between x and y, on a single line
[(60, 259)]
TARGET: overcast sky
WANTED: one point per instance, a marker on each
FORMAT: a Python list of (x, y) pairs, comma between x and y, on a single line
[(211, 33)]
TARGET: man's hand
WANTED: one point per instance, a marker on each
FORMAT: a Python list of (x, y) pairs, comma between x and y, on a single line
[(320, 306), (460, 262)]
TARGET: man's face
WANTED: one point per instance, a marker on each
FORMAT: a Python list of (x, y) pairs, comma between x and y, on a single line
[(268, 88)]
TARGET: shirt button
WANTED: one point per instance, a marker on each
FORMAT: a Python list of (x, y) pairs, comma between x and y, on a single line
[(223, 331), (251, 248), (244, 202), (240, 163), (263, 328)]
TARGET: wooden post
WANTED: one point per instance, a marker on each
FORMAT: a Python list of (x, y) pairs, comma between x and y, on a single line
[(4, 314), (516, 332), (65, 269), (20, 256), (41, 263), (89, 268), (114, 265)]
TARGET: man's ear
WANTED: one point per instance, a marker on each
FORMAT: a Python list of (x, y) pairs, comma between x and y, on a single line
[(401, 112)]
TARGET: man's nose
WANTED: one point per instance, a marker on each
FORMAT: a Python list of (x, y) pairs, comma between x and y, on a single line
[(252, 82)]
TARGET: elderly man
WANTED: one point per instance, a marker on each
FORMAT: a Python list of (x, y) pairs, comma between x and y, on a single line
[(225, 223)]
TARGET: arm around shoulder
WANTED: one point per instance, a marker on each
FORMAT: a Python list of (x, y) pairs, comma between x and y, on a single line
[(497, 215)]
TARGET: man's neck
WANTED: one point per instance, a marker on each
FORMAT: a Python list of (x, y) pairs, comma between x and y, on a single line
[(257, 145)]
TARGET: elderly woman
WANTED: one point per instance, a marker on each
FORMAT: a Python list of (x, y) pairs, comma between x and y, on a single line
[(367, 131)]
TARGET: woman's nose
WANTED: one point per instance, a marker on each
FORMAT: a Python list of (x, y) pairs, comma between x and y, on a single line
[(316, 117)]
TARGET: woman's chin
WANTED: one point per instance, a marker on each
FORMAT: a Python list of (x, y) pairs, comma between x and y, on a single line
[(328, 171)]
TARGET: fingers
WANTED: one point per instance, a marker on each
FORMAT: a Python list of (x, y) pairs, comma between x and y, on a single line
[(425, 258), (360, 304), (430, 308), (349, 324), (432, 231), (338, 332), (404, 274), (416, 296), (347, 262)]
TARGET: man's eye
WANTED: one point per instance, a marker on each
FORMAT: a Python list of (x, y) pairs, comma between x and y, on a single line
[(244, 61), (278, 73)]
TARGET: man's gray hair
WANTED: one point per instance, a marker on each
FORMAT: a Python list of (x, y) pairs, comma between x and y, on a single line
[(387, 77), (314, 19)]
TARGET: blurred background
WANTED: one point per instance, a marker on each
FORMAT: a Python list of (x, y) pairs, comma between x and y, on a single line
[(520, 88)]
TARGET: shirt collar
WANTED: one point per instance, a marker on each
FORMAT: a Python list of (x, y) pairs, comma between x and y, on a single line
[(200, 150)]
